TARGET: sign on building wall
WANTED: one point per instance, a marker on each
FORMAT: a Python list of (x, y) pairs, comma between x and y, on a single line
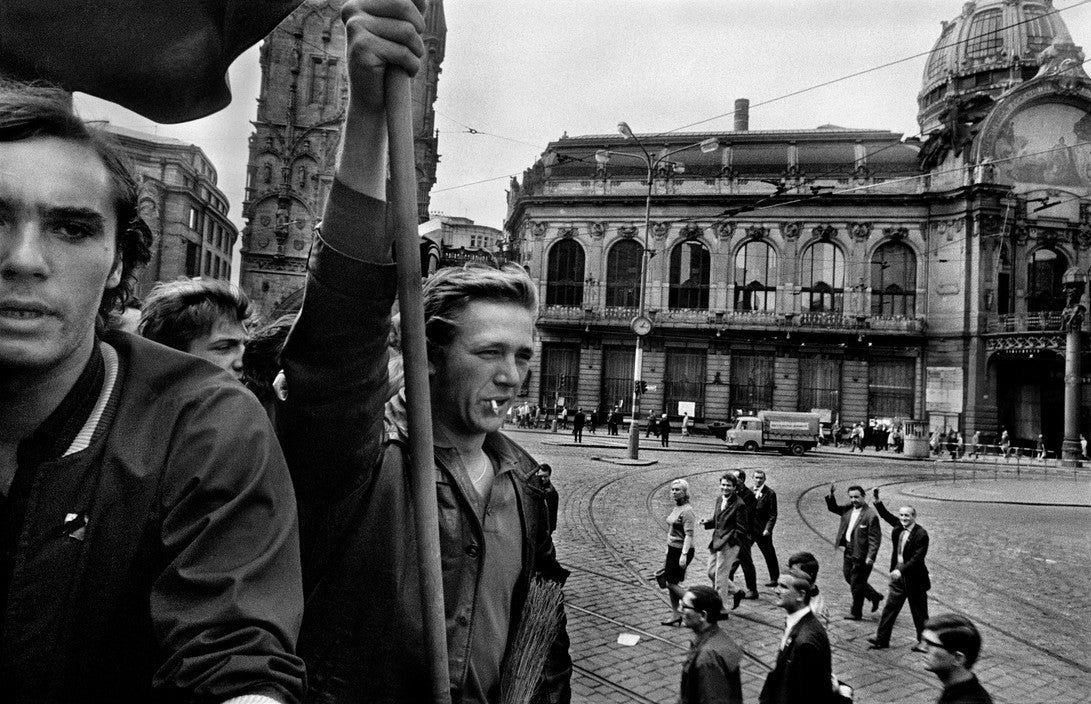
[(689, 407), (943, 389)]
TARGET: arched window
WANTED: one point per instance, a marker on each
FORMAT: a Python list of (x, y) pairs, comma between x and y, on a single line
[(623, 275), (823, 278), (1044, 272), (690, 270), (894, 280), (756, 277), (564, 275)]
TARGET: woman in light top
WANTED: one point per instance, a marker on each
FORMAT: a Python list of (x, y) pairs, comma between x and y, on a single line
[(681, 524)]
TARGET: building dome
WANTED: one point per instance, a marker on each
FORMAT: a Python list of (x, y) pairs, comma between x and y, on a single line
[(992, 46)]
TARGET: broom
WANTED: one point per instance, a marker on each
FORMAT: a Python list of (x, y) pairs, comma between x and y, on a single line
[(538, 627)]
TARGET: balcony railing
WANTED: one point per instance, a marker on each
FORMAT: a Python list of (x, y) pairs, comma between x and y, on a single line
[(1041, 321)]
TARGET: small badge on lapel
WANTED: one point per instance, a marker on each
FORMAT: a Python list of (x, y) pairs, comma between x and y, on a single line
[(75, 526)]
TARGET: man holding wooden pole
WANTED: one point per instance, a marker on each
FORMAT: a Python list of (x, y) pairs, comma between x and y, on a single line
[(349, 449)]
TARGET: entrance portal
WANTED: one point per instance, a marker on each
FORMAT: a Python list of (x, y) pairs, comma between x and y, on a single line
[(1030, 397)]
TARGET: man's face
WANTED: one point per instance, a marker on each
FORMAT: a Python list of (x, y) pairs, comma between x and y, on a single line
[(726, 486), (759, 479), (905, 515), (486, 361), (57, 252), (856, 498), (786, 595), (223, 345), (543, 477), (937, 659), (691, 618)]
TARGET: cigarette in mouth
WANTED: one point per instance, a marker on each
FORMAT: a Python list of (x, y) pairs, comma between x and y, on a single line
[(495, 406)]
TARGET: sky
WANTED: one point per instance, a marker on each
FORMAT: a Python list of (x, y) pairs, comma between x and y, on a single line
[(520, 73)]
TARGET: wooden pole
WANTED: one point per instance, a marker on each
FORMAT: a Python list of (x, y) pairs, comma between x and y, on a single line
[(403, 202)]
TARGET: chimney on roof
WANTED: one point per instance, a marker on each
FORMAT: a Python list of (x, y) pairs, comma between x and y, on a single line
[(742, 114)]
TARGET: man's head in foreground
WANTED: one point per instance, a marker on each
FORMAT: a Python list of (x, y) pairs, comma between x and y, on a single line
[(952, 644), (203, 317), (71, 238), (701, 607), (794, 589), (479, 324)]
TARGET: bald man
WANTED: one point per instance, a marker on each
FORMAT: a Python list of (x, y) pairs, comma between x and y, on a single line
[(909, 580)]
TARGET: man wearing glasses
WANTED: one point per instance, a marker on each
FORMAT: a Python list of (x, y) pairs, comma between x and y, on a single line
[(710, 673), (951, 645)]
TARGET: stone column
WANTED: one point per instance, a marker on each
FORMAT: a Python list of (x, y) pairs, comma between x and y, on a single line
[(1074, 282)]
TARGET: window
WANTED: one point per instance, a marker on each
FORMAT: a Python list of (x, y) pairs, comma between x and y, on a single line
[(689, 276), (1039, 33), (890, 388), (208, 263), (1044, 273), (819, 383), (623, 275), (617, 377), (192, 219), (893, 280), (1003, 281), (193, 259), (756, 277), (823, 278), (685, 380), (564, 274), (937, 62), (560, 375), (751, 383), (984, 39)]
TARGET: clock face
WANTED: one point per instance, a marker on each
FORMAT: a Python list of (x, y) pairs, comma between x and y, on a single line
[(641, 325)]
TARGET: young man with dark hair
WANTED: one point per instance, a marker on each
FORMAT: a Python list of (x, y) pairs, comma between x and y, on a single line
[(860, 535), (202, 317), (710, 672), (803, 671), (149, 542), (346, 438), (730, 525), (951, 645)]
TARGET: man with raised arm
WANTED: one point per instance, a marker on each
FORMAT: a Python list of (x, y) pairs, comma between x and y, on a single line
[(346, 438), (859, 534), (149, 532), (909, 579)]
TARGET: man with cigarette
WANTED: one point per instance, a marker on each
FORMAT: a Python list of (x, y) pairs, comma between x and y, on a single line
[(346, 443)]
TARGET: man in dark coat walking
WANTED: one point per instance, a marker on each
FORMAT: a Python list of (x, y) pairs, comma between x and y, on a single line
[(860, 535), (578, 421), (665, 431), (803, 672), (710, 672), (909, 580)]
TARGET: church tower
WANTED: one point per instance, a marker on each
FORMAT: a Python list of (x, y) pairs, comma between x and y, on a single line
[(293, 150)]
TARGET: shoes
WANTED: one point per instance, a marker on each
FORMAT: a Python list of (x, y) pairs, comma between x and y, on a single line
[(771, 583), (737, 598), (752, 595), (918, 648), (876, 644), (853, 617), (875, 602), (677, 621)]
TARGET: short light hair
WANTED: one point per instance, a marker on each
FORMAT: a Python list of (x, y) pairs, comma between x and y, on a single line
[(41, 110), (178, 312), (684, 485), (801, 582), (450, 290), (957, 633), (911, 510)]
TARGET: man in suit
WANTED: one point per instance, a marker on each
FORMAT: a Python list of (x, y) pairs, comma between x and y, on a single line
[(710, 672), (765, 517), (745, 560), (730, 524), (803, 673), (908, 574), (859, 533)]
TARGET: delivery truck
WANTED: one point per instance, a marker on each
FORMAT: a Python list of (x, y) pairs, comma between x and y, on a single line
[(775, 430)]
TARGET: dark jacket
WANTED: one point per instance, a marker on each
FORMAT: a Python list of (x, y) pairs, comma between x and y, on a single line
[(913, 569), (765, 511), (347, 450), (751, 502), (803, 673), (180, 580), (866, 537), (968, 692), (730, 526), (710, 672)]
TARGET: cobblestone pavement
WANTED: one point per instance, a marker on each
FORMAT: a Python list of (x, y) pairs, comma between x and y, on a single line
[(1019, 570)]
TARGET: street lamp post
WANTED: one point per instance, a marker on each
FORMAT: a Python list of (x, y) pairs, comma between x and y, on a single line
[(641, 324)]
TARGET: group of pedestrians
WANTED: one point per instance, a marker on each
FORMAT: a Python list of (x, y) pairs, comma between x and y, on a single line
[(803, 673)]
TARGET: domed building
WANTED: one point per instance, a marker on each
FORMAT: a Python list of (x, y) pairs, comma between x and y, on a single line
[(867, 276)]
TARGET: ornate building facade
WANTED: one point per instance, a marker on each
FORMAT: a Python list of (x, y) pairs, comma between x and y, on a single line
[(855, 272), (183, 206), (293, 150)]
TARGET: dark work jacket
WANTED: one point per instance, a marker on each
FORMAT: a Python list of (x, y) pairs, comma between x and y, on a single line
[(968, 692), (765, 511), (913, 569), (730, 526), (866, 537), (803, 673), (362, 636), (183, 585), (710, 672)]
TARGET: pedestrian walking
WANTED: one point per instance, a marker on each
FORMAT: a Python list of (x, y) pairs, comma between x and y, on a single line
[(975, 442), (909, 578), (578, 421), (686, 421), (744, 559), (951, 646), (710, 672), (653, 425), (1005, 443), (544, 475), (730, 524), (681, 526), (803, 673), (859, 534), (857, 438), (664, 431), (765, 518), (1040, 448)]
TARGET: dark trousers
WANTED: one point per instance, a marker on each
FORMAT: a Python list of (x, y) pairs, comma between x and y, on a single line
[(898, 595), (577, 433), (765, 544), (745, 561), (856, 574)]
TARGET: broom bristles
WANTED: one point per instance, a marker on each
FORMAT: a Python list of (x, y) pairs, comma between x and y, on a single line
[(538, 627)]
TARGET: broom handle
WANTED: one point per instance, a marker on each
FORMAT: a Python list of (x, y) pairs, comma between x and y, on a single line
[(403, 198)]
